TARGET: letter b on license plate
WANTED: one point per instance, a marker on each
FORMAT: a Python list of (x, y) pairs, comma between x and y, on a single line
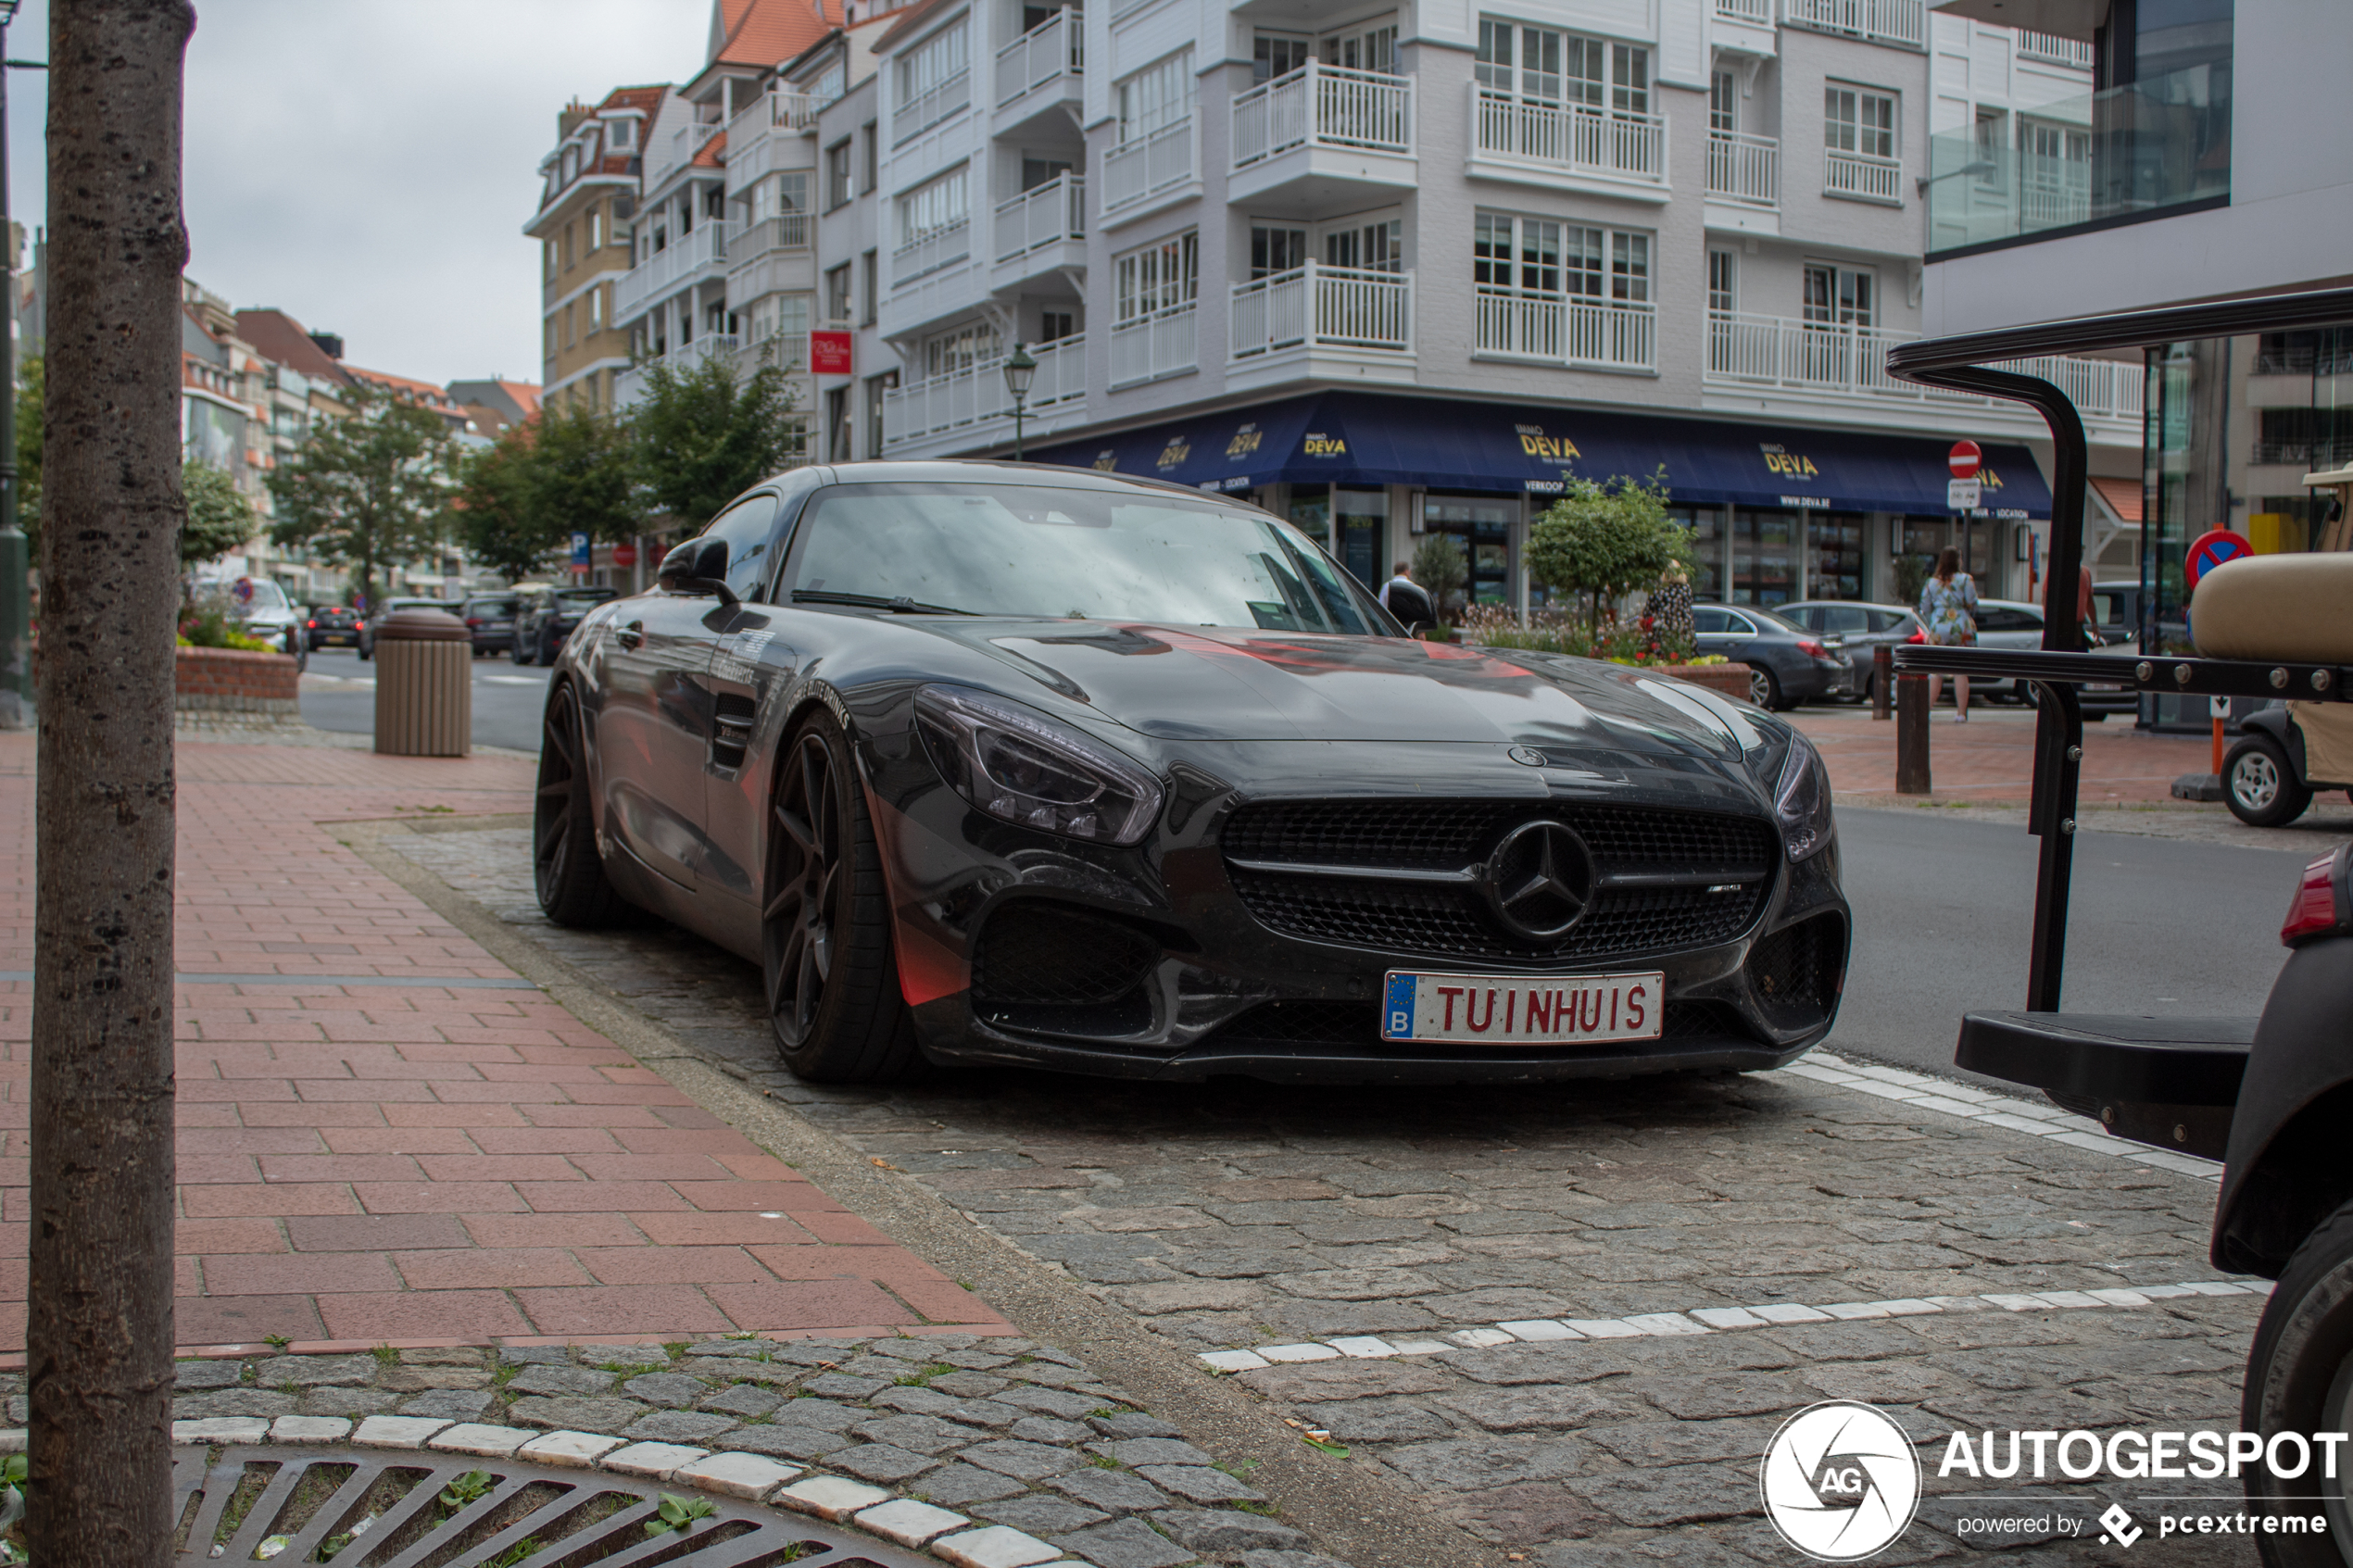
[(1521, 1011)]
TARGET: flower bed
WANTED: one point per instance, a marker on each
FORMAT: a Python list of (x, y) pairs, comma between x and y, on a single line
[(1732, 680), (231, 680)]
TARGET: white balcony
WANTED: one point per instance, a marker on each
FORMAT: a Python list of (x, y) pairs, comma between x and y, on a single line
[(787, 231), (1048, 59), (932, 252), (1861, 177), (1818, 362), (971, 409), (1743, 168), (1320, 134), (768, 137), (687, 261), (928, 107), (770, 256), (1043, 230), (1150, 165), (2052, 50), (1151, 347), (629, 385), (1317, 312), (1755, 13), (1545, 142), (1902, 22), (1555, 330)]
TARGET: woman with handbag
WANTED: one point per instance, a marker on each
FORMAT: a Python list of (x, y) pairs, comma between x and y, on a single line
[(1948, 609)]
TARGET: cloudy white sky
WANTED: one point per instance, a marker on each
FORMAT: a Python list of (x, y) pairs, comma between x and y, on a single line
[(367, 165)]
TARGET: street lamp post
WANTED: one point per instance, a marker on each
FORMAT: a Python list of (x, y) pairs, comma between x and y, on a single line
[(16, 556), (1020, 370)]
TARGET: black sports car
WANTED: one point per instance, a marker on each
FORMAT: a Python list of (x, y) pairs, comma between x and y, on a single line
[(993, 762)]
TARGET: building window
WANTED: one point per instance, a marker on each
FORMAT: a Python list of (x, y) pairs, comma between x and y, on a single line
[(961, 348), (1992, 147), (837, 444), (1363, 48), (621, 134), (932, 71), (548, 260), (1159, 277), (932, 209), (781, 318), (1055, 325), (1275, 53), (838, 188), (597, 309), (1859, 121), (837, 293), (1550, 67), (1840, 296), (597, 227), (1723, 102), (568, 255), (1276, 248), (1156, 97), (1372, 247), (571, 334), (869, 270), (877, 389), (869, 138), (1515, 255), (1723, 292)]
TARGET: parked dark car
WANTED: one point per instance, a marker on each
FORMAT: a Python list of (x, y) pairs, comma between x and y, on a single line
[(1863, 628), (366, 644), (1787, 664), (332, 626), (1028, 766), (491, 618), (545, 618)]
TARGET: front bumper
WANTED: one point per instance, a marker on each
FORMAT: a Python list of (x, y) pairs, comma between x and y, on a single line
[(1222, 992)]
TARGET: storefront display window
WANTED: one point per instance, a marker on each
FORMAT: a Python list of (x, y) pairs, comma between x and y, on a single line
[(1311, 513), (1706, 565), (1484, 527), (1764, 558), (1364, 526), (1835, 569)]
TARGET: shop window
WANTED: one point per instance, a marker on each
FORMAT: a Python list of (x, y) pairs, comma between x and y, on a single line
[(1483, 526), (1363, 528)]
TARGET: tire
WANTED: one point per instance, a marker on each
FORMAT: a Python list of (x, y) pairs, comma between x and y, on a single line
[(566, 869), (2299, 1378), (300, 649), (832, 980), (515, 653), (2260, 786), (1764, 688), (359, 647)]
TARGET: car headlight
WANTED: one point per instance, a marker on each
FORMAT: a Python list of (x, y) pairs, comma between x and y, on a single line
[(1802, 801), (1015, 765)]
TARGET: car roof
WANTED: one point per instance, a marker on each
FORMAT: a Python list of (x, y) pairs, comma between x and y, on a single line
[(993, 471), (1838, 604), (2017, 604)]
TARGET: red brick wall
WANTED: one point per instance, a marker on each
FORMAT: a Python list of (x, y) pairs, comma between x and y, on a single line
[(231, 680)]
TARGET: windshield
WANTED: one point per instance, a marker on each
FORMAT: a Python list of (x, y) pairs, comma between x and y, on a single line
[(261, 596), (1092, 555)]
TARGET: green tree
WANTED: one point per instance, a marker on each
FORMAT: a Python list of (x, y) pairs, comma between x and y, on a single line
[(585, 476), (493, 504), (1604, 540), (369, 488), (1440, 568), (706, 435), (219, 518), (29, 382)]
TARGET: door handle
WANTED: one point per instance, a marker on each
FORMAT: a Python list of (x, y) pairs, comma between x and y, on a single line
[(632, 635)]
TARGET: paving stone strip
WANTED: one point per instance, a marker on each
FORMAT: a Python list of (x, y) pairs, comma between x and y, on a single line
[(986, 1451), (1227, 1216)]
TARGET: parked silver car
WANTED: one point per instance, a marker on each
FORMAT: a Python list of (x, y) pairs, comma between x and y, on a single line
[(1864, 628)]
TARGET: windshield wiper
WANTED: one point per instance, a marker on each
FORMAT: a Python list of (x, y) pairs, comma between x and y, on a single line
[(900, 606)]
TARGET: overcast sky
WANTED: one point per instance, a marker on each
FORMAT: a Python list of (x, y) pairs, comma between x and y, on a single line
[(368, 165)]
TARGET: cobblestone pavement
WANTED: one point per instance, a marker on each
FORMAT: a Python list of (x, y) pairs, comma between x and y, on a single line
[(1231, 1215)]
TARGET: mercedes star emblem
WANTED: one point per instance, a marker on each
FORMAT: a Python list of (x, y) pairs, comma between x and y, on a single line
[(1526, 756), (1539, 880)]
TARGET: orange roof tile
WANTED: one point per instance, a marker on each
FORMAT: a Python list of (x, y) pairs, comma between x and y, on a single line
[(2122, 495), (908, 20), (408, 387), (646, 98), (711, 154), (768, 32)]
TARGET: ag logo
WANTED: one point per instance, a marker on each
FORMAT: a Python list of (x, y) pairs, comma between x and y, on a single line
[(1840, 1481)]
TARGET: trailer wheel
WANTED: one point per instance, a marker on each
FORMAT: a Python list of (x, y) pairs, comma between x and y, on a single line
[(2299, 1378), (2259, 784)]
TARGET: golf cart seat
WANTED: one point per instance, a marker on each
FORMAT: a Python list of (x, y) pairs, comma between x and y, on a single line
[(2297, 607), (2167, 1081)]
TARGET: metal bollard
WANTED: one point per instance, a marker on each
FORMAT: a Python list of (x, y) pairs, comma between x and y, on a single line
[(1883, 672), (1911, 735)]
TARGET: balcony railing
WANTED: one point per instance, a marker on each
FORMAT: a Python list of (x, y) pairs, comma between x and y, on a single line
[(1757, 13), (2051, 49), (791, 111), (2160, 143), (930, 106), (703, 246), (1571, 137), (1745, 169), (928, 253), (1138, 169), (1818, 357), (787, 231), (1053, 48), (1555, 330), (1043, 216), (1325, 307), (1863, 177), (688, 140), (2310, 455), (1156, 346), (1882, 21), (1324, 105), (977, 394)]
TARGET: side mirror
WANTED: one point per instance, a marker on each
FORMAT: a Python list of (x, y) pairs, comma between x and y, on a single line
[(698, 566)]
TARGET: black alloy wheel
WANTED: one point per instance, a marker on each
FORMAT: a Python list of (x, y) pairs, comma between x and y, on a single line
[(2299, 1379), (832, 979), (566, 868)]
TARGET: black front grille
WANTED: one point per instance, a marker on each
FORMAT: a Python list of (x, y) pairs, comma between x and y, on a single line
[(1034, 954), (1795, 971), (1357, 1026), (1453, 919)]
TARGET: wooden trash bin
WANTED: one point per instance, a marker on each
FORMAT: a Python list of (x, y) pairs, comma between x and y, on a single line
[(425, 684)]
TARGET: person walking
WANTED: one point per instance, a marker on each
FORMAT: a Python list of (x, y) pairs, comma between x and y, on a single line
[(1948, 609)]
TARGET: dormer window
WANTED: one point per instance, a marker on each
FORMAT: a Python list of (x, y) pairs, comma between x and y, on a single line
[(572, 164), (621, 134)]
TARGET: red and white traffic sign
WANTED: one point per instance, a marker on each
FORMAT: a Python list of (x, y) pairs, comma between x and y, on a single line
[(2209, 550), (1965, 459)]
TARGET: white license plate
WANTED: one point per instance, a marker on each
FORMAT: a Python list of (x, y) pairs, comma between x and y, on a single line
[(1531, 1010)]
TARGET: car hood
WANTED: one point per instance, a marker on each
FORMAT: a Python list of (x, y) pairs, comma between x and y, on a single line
[(1218, 685)]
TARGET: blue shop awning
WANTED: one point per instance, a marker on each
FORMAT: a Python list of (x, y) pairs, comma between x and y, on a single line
[(1369, 438)]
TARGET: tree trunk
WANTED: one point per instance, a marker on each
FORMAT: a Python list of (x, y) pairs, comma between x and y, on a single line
[(99, 1352)]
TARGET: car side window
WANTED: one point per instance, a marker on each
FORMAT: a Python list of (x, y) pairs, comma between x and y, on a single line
[(1707, 619), (1739, 625), (1890, 619), (750, 527), (1837, 617), (1990, 619)]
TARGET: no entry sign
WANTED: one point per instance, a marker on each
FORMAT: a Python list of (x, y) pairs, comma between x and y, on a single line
[(2211, 549), (1965, 459)]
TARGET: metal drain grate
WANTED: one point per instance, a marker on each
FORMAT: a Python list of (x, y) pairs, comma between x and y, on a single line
[(579, 1518)]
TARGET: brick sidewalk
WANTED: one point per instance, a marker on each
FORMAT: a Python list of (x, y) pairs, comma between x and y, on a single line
[(365, 1156), (1992, 757)]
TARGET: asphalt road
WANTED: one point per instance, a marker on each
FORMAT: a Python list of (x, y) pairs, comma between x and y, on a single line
[(1943, 909), (339, 693)]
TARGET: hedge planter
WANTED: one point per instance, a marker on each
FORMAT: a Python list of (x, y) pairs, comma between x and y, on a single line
[(232, 680), (1732, 680)]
